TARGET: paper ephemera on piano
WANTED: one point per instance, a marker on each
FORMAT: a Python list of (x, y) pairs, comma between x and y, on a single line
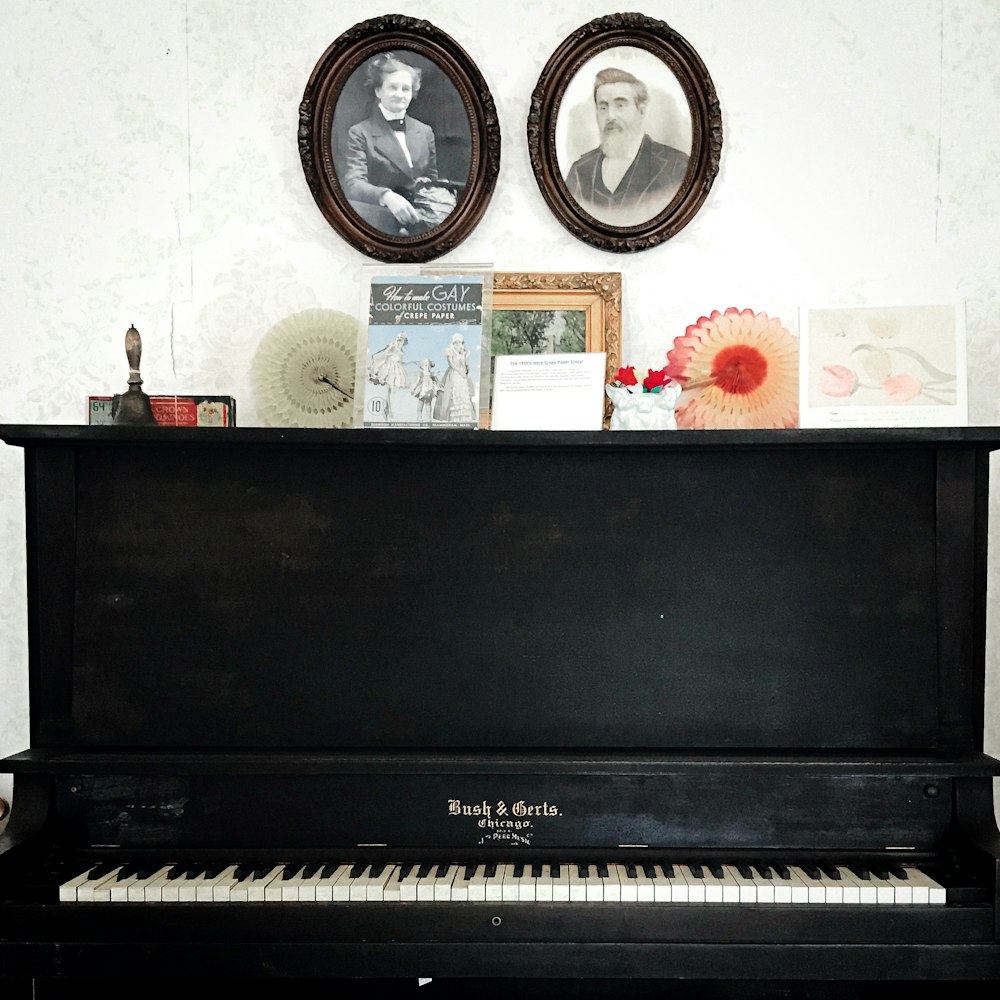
[(424, 350)]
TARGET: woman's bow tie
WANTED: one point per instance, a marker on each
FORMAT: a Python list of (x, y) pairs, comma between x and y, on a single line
[(397, 124)]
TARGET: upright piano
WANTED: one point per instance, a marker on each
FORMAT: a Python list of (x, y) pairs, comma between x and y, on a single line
[(455, 704)]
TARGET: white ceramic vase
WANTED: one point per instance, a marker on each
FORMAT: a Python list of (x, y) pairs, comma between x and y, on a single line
[(643, 411)]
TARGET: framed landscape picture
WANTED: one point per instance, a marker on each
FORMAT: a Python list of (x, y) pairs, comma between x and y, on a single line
[(557, 313)]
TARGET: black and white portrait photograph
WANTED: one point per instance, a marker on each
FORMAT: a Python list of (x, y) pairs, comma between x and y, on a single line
[(401, 143), (624, 136)]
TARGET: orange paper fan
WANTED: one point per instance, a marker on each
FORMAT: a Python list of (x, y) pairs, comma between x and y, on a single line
[(739, 369)]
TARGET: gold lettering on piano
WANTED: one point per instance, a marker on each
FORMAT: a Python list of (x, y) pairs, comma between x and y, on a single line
[(486, 811)]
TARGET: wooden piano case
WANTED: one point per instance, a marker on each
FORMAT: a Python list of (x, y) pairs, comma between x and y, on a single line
[(252, 645)]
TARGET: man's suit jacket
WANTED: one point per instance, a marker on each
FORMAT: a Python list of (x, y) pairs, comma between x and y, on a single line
[(375, 160), (657, 170)]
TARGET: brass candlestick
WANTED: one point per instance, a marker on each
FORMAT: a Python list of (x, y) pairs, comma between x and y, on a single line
[(133, 406)]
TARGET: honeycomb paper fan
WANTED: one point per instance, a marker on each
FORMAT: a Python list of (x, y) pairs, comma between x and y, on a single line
[(304, 368)]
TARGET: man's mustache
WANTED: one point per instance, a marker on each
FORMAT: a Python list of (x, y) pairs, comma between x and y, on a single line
[(613, 127)]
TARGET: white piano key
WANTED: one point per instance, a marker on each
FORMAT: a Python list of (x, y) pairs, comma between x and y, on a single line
[(699, 889), (671, 886), (815, 891), (852, 886), (868, 891), (834, 888), (593, 886), (643, 885), (783, 885), (610, 882), (885, 891), (543, 884), (283, 886), (526, 885), (560, 883), (145, 890), (925, 890), (764, 877), (509, 886), (746, 887), (477, 884), (443, 880), (902, 890), (93, 889), (392, 891), (68, 890), (628, 882), (331, 875), (730, 887), (251, 889), (577, 884), (494, 883), (460, 884), (425, 882), (340, 887), (408, 884)]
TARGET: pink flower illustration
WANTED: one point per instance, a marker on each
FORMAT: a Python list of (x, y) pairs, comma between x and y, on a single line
[(901, 388), (837, 380)]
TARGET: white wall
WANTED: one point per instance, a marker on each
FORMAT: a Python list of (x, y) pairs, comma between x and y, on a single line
[(150, 175)]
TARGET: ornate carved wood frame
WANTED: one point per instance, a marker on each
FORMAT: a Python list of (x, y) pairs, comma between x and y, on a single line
[(563, 112), (452, 99)]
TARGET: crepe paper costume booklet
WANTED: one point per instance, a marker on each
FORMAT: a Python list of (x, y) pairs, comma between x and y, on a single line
[(424, 350)]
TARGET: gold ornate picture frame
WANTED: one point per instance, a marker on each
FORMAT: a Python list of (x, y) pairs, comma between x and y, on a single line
[(557, 312)]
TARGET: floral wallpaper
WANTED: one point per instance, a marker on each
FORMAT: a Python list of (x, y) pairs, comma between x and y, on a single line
[(151, 177)]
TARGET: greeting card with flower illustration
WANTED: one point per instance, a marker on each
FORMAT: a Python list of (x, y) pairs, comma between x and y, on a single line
[(890, 366)]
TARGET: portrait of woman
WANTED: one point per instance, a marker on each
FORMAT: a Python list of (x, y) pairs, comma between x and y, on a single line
[(402, 158)]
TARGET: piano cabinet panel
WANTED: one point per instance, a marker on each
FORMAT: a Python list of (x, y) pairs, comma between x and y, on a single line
[(500, 812)]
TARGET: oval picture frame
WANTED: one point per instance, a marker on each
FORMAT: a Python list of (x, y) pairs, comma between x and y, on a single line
[(350, 158), (656, 96)]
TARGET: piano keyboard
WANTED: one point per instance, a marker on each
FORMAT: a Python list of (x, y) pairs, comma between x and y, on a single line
[(545, 883)]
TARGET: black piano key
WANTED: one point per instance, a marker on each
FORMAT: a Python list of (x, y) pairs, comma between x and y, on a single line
[(899, 871), (518, 871), (308, 871), (831, 871), (630, 871), (536, 871), (862, 873), (716, 870), (376, 870), (696, 871), (668, 871), (358, 870), (764, 871), (556, 871), (602, 871), (404, 871), (583, 871), (490, 871), (783, 872), (424, 870), (813, 872)]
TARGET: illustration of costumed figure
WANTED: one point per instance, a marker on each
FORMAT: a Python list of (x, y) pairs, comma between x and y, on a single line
[(455, 403), (386, 367), (425, 389)]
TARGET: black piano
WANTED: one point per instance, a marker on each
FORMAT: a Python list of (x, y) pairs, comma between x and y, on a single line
[(504, 707)]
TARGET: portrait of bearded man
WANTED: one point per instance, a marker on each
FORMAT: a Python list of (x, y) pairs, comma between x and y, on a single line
[(629, 177)]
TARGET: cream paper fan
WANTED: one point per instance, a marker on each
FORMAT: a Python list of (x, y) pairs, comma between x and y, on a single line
[(304, 369)]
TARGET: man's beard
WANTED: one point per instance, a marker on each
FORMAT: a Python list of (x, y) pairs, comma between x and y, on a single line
[(617, 143)]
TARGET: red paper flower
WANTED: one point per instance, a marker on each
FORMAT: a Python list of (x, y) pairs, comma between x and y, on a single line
[(626, 376), (655, 380), (739, 369)]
